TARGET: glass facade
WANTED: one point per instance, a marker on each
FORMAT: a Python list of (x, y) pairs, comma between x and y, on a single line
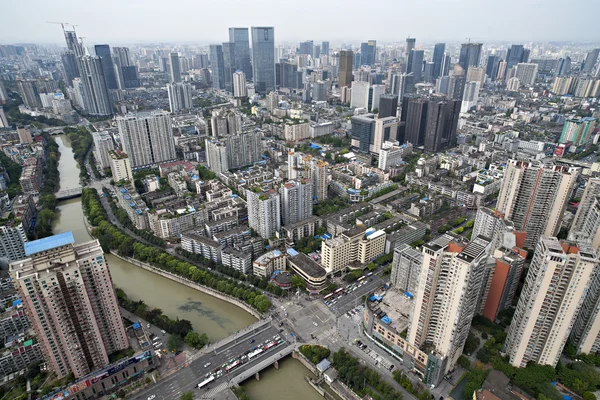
[(263, 59)]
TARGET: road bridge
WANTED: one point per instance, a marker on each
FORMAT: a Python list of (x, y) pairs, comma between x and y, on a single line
[(68, 193)]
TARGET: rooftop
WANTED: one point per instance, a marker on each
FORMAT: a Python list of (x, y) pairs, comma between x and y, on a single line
[(51, 242), (309, 266)]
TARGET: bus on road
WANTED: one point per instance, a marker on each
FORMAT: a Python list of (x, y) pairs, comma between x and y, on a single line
[(206, 381)]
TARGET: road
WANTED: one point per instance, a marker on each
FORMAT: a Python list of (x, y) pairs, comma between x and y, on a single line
[(187, 378), (354, 299)]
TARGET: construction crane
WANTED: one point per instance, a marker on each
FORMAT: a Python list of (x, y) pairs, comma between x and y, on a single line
[(62, 24)]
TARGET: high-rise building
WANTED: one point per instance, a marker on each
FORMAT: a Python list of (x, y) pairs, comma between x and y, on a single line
[(470, 55), (363, 130), (526, 73), (225, 123), (120, 166), (352, 246), (590, 61), (456, 83), (320, 179), (263, 58), (69, 61), (365, 95), (239, 84), (73, 43), (29, 93), (316, 52), (442, 121), (406, 267), (516, 54), (325, 48), (13, 237), (417, 64), (290, 77), (578, 131), (368, 52), (174, 67), (147, 137), (449, 285), (534, 197), (586, 224), (563, 66), (217, 66), (103, 51), (67, 293), (130, 77), (501, 71), (241, 40), (306, 48), (438, 59), (96, 98), (386, 129), (122, 59), (410, 45), (476, 74), (233, 151), (414, 115), (470, 96), (180, 96), (491, 69), (296, 200), (345, 77), (388, 105), (264, 211), (103, 144), (229, 65), (550, 301)]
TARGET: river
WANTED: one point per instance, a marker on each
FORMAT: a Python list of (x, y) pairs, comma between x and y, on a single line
[(210, 315)]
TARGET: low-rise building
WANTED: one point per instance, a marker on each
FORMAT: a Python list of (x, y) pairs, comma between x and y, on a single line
[(353, 247), (134, 206), (151, 183), (308, 269), (239, 260), (265, 265), (193, 242), (31, 179)]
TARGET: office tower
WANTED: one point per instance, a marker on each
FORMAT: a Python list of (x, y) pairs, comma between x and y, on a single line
[(578, 131), (320, 179), (264, 211), (442, 120), (130, 77), (122, 56), (534, 197), (526, 73), (406, 267), (325, 48), (234, 151), (363, 130), (470, 96), (456, 83), (555, 286), (319, 91), (290, 76), (69, 62), (414, 115), (103, 144), (217, 66), (428, 72), (563, 66), (296, 201), (29, 92), (368, 51), (241, 40), (147, 137), (449, 285), (67, 293), (316, 52), (446, 65), (515, 55), (386, 129), (228, 65), (476, 74), (73, 43), (388, 105), (239, 84), (410, 45), (365, 95), (470, 54), (180, 96), (103, 51), (491, 69), (417, 64), (345, 77), (96, 99), (306, 48), (306, 95), (174, 67), (263, 59), (438, 59), (590, 61)]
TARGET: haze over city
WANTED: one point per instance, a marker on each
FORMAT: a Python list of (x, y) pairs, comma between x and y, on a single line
[(143, 21)]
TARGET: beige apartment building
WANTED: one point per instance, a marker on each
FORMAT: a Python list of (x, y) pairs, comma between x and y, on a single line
[(355, 246)]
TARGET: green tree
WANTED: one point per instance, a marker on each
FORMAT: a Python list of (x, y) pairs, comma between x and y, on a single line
[(187, 396), (174, 342)]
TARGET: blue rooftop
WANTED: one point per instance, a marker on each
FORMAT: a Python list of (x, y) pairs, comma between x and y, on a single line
[(48, 243)]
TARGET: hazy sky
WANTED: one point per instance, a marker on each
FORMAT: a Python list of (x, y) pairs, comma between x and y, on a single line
[(204, 21)]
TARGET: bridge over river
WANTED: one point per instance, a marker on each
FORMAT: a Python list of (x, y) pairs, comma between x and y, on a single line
[(68, 193)]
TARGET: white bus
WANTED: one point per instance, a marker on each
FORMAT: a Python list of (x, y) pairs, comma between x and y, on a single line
[(206, 381)]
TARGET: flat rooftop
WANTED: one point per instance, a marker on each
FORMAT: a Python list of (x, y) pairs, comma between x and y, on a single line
[(398, 307), (51, 242), (309, 266)]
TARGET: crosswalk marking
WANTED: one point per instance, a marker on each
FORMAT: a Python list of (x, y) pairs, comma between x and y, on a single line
[(212, 392)]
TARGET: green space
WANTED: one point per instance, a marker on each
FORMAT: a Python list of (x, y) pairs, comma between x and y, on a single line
[(314, 353), (47, 200)]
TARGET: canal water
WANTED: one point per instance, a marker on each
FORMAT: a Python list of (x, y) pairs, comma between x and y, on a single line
[(215, 317)]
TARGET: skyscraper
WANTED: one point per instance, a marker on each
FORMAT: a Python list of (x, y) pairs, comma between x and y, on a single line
[(414, 115), (406, 267), (491, 69), (534, 197), (73, 43), (442, 120), (229, 66), (96, 98), (368, 51), (578, 131), (590, 61), (325, 48), (470, 55), (319, 178), (67, 293), (563, 67), (239, 84), (586, 225), (103, 51), (526, 73), (103, 144), (345, 77), (174, 67), (264, 211), (147, 137), (438, 59), (241, 40), (306, 48), (69, 61), (263, 58), (296, 200), (217, 66), (410, 44), (388, 105), (29, 92), (234, 151), (551, 298), (417, 64), (515, 55), (180, 96)]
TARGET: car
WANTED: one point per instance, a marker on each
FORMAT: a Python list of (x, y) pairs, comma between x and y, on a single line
[(163, 332), (315, 324), (281, 330), (252, 341), (148, 326), (392, 367), (152, 396), (208, 364), (281, 323)]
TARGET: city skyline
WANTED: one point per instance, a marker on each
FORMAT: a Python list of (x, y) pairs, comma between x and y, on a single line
[(30, 22)]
